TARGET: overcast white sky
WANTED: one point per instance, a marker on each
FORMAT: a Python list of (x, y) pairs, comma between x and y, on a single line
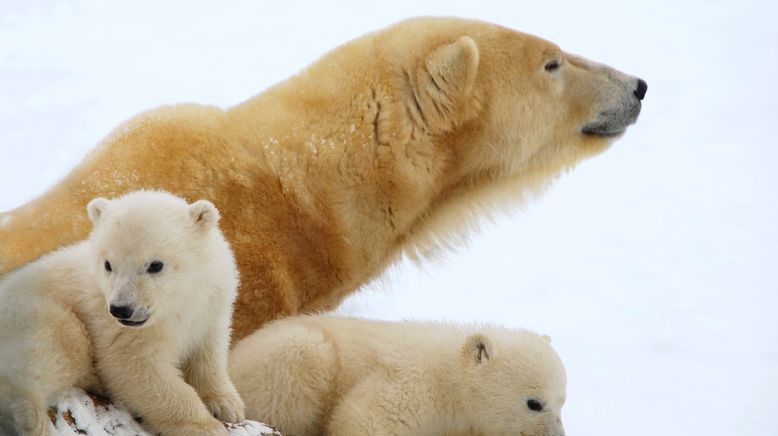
[(652, 266)]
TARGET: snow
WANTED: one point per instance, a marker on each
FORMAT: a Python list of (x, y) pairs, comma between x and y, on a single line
[(652, 266), (77, 414)]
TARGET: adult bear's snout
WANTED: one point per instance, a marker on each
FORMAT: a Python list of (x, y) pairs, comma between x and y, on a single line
[(640, 92)]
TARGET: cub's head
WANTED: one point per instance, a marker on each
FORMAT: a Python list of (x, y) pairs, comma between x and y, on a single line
[(150, 249), (514, 384)]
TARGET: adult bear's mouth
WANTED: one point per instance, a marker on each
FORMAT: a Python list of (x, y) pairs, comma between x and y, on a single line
[(614, 120), (602, 131), (612, 123)]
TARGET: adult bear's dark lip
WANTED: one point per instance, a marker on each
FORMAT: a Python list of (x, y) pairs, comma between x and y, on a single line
[(130, 323), (613, 123), (595, 131)]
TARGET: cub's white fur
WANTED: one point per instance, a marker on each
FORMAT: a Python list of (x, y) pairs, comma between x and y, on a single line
[(344, 376), (140, 310)]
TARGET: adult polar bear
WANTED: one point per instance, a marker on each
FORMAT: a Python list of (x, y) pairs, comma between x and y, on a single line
[(387, 144)]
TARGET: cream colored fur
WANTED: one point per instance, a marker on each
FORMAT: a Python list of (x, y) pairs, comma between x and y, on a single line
[(171, 369), (392, 143), (354, 377)]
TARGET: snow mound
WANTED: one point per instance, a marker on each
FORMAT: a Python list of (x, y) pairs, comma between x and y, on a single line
[(78, 413)]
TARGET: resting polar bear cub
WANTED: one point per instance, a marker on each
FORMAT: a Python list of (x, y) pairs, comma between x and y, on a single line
[(346, 376), (148, 297)]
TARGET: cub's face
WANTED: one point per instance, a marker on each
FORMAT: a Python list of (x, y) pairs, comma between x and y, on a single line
[(515, 389), (147, 252)]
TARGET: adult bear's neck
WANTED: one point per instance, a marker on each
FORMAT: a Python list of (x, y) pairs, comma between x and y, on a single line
[(352, 203)]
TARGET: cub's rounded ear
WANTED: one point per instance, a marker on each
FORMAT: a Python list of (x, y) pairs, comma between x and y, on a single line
[(204, 214), (96, 208), (547, 338), (478, 349)]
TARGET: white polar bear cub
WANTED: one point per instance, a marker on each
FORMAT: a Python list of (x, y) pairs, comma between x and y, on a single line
[(140, 310), (354, 377)]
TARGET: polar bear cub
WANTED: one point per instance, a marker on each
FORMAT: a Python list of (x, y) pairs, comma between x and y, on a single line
[(140, 311), (345, 376)]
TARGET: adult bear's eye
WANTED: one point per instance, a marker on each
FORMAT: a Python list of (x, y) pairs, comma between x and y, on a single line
[(552, 66), (155, 267), (107, 266), (535, 405)]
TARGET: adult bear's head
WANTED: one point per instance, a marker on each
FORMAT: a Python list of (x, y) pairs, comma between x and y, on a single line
[(509, 102), (503, 111)]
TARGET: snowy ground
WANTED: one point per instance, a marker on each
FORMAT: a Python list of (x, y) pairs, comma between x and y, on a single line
[(78, 413), (652, 266)]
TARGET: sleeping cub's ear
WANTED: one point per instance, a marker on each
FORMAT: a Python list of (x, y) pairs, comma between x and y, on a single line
[(204, 214), (95, 209), (478, 349)]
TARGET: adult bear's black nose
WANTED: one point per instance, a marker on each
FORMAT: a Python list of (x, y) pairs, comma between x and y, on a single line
[(121, 312), (640, 92)]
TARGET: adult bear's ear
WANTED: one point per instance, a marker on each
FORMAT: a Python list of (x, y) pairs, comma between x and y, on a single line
[(204, 214), (441, 97), (478, 349), (96, 208)]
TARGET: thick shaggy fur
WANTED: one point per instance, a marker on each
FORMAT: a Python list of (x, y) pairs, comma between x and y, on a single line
[(391, 143), (56, 330), (354, 377)]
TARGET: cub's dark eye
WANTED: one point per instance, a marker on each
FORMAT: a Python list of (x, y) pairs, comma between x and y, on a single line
[(552, 66), (107, 266), (534, 405), (155, 267)]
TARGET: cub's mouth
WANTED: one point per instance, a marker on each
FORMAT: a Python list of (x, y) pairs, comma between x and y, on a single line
[(130, 316), (130, 323)]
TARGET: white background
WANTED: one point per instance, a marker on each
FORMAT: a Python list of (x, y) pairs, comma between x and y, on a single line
[(652, 266)]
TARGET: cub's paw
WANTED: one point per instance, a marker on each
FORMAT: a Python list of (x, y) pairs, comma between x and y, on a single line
[(40, 427), (32, 420), (227, 407)]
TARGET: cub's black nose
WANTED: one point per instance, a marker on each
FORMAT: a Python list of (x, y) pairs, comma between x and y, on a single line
[(642, 88), (121, 312)]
